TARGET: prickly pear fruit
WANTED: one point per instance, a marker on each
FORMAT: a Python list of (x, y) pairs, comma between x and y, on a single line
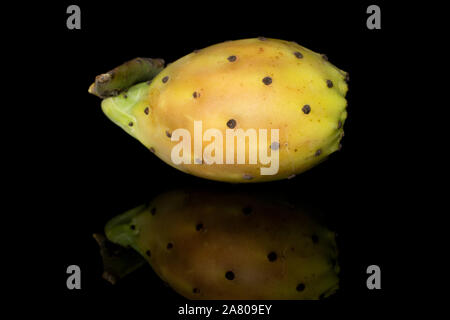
[(249, 84), (231, 246)]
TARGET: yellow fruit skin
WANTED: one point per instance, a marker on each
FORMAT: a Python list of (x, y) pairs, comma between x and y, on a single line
[(192, 239), (235, 90)]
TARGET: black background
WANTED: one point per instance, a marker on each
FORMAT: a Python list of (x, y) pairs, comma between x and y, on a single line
[(96, 171)]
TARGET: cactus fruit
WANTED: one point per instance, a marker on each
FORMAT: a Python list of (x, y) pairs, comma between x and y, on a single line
[(209, 245), (249, 84)]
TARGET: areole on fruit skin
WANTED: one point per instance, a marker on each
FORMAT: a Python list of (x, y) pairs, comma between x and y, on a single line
[(245, 84)]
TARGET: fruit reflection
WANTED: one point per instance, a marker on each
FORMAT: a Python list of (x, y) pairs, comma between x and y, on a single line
[(219, 245)]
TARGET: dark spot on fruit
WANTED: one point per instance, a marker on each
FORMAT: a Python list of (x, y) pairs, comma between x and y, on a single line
[(152, 149), (170, 245), (165, 79), (132, 227), (148, 82), (231, 123), (229, 275), (196, 94), (199, 227), (148, 253), (153, 211), (130, 124), (232, 58), (267, 80), (146, 110), (333, 262), (295, 150), (324, 57), (275, 146), (339, 124), (168, 134), (247, 210), (329, 83), (306, 109), (195, 290), (301, 287), (298, 54), (247, 176), (125, 96), (318, 153), (315, 238), (272, 256)]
